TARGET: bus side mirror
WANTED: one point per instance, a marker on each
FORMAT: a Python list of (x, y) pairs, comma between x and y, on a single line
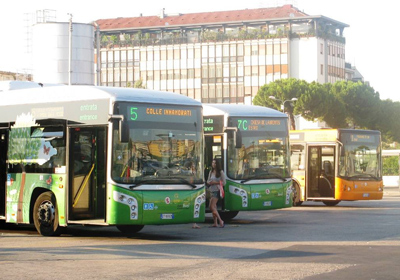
[(236, 135), (123, 131), (123, 127)]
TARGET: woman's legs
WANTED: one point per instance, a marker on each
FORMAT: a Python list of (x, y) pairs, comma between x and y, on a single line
[(214, 211)]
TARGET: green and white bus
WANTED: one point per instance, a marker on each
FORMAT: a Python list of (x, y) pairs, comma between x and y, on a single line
[(252, 143), (100, 156)]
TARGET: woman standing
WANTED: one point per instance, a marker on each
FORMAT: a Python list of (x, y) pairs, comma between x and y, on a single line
[(215, 176)]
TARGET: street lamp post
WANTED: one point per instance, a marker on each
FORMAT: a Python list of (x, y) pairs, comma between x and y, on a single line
[(283, 101)]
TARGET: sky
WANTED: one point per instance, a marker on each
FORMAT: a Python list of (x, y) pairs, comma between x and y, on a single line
[(372, 43)]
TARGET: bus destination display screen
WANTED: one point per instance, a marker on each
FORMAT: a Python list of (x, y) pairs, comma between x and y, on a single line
[(160, 113), (258, 124)]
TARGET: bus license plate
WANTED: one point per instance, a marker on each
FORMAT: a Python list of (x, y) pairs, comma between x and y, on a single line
[(267, 203), (365, 194), (167, 216)]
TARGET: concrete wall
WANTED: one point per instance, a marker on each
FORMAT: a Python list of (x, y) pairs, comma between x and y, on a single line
[(391, 181)]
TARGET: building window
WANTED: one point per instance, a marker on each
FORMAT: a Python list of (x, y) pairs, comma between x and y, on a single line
[(205, 72), (191, 73), (219, 71), (205, 92), (283, 48), (277, 48), (211, 71), (177, 74), (269, 49), (177, 54), (322, 69), (254, 50), (261, 49), (163, 74), (322, 48), (233, 50), (170, 75)]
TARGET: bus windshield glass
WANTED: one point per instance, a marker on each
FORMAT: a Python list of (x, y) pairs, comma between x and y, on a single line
[(165, 145), (359, 156), (263, 154)]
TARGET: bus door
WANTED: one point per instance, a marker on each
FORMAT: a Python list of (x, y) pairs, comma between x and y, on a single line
[(321, 172), (3, 165), (213, 150), (87, 173)]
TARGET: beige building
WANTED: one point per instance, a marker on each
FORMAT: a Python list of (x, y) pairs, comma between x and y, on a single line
[(222, 57)]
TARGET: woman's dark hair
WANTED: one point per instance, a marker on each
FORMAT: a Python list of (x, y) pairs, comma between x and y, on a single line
[(217, 168)]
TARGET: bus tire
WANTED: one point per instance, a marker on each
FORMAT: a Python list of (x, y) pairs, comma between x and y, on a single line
[(296, 195), (130, 229), (331, 202), (228, 215), (45, 215)]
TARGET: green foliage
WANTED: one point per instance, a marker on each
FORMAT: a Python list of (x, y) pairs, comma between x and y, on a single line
[(23, 147), (283, 90), (139, 84), (390, 166), (114, 39)]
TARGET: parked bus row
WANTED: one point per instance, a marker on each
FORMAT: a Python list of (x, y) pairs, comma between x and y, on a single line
[(131, 157)]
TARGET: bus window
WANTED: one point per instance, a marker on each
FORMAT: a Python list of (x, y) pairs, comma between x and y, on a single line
[(297, 158)]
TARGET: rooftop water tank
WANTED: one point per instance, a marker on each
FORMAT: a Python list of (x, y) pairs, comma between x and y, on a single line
[(50, 52)]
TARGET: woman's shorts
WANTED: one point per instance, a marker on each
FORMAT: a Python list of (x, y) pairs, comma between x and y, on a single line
[(215, 194)]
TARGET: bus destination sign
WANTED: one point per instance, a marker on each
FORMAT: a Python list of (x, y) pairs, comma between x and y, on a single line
[(155, 113), (259, 124)]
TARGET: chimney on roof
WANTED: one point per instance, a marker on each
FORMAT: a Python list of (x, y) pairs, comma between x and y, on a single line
[(162, 14)]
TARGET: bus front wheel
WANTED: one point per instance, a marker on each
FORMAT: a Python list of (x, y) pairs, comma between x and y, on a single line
[(228, 215), (296, 195), (130, 229), (331, 202), (45, 215)]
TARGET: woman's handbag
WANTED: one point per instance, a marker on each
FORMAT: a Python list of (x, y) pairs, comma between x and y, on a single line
[(221, 189)]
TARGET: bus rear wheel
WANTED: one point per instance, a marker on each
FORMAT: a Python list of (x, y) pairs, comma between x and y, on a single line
[(228, 215), (331, 202), (45, 215), (130, 229)]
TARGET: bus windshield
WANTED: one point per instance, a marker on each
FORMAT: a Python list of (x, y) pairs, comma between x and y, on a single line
[(360, 156), (263, 154), (165, 146)]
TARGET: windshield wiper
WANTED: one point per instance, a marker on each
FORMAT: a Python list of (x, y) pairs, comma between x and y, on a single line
[(182, 180), (263, 176), (141, 182)]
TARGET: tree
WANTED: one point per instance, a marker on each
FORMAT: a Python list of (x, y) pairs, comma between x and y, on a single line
[(318, 103), (282, 90), (361, 101), (388, 120)]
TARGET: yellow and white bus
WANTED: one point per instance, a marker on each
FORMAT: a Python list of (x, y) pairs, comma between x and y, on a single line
[(331, 165)]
